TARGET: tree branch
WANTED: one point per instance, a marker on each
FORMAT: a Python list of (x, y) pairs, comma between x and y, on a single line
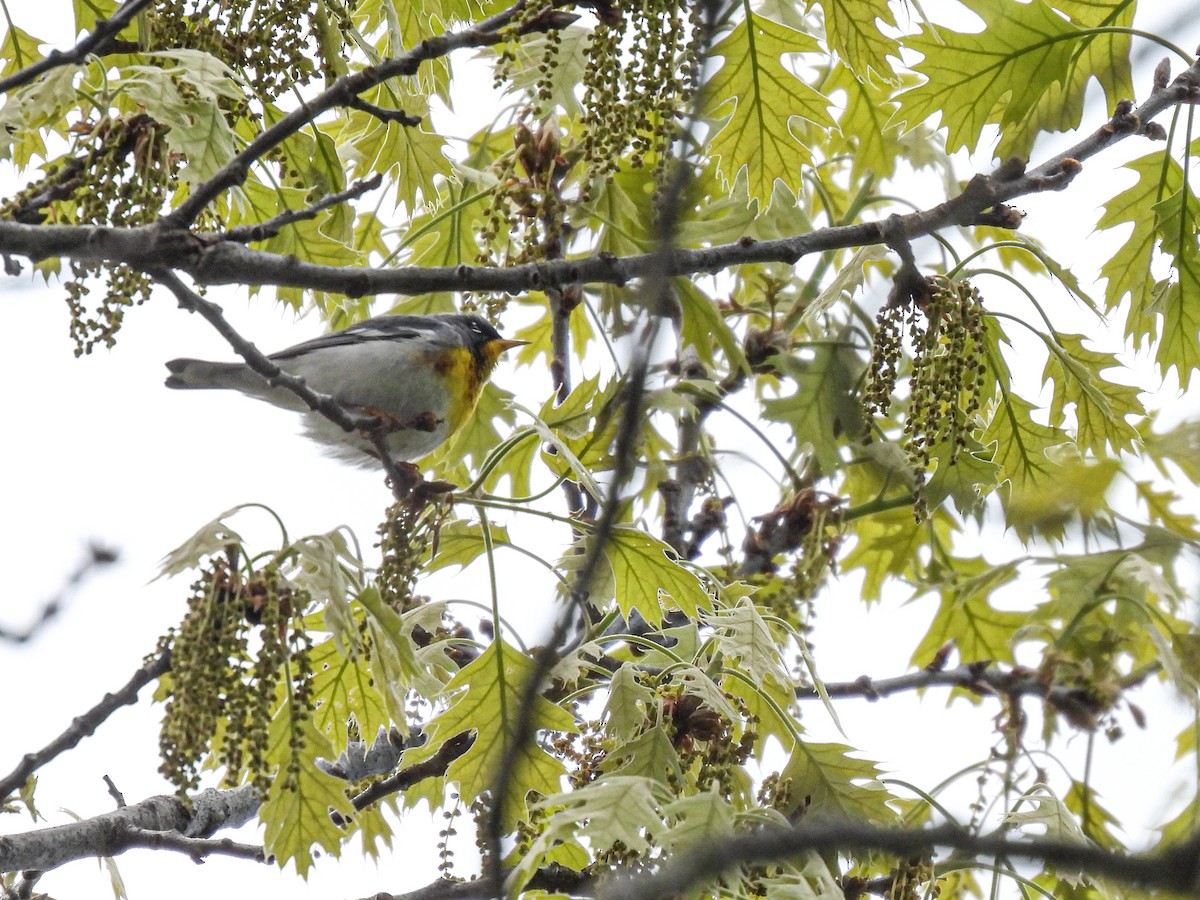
[(97, 556), (84, 725), (385, 115), (170, 823), (246, 234), (1177, 869), (211, 260), (552, 879), (344, 91), (402, 479), (433, 767), (95, 43), (1080, 704)]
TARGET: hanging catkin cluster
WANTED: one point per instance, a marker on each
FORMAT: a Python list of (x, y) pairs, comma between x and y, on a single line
[(267, 41), (947, 332), (642, 71), (119, 172), (241, 647)]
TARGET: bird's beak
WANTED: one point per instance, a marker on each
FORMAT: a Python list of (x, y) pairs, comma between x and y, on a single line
[(493, 349), (506, 344)]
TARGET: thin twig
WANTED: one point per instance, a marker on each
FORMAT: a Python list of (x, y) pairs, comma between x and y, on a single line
[(343, 92), (552, 879), (196, 848), (260, 363), (104, 33), (385, 115), (114, 792), (553, 649), (98, 556), (403, 476), (433, 767), (1081, 704), (247, 234), (84, 725)]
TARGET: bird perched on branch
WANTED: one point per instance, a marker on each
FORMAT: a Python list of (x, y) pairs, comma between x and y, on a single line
[(419, 376)]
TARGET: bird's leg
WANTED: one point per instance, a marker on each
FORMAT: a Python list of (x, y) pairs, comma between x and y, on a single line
[(426, 421), (404, 478)]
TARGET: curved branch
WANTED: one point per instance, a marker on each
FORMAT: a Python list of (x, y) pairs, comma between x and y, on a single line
[(268, 229), (1177, 869), (84, 725), (185, 825), (552, 879), (433, 767), (342, 416), (98, 555), (984, 678), (345, 91), (102, 35)]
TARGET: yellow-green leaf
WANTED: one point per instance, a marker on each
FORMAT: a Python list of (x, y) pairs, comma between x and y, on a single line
[(765, 95), (646, 572), (825, 405), (1100, 55), (1101, 406), (966, 617), (296, 811), (485, 699), (1021, 442), (828, 781), (996, 75), (20, 49), (460, 543), (850, 26)]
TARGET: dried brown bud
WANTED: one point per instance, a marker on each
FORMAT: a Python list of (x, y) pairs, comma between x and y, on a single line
[(939, 658), (1123, 120), (1162, 74), (1010, 169), (692, 719), (1154, 131)]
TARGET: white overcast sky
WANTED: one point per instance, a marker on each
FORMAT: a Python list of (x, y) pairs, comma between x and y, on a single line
[(97, 449)]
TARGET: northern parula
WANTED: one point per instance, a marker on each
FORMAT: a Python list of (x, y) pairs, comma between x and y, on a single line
[(420, 375)]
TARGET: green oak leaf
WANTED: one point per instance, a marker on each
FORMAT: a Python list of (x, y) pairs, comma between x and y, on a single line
[(826, 780), (966, 618), (296, 811), (485, 697), (1101, 406), (851, 30), (997, 75), (765, 96)]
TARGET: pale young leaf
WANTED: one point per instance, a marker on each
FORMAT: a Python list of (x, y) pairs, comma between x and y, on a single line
[(760, 95)]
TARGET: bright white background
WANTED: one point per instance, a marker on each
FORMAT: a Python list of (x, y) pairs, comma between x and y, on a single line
[(97, 449)]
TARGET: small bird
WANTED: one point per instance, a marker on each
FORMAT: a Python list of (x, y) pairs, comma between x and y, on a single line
[(421, 376)]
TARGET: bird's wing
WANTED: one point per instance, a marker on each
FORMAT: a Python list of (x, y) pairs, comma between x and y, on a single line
[(381, 328)]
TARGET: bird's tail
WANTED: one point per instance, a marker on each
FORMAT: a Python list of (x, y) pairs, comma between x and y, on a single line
[(199, 373)]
